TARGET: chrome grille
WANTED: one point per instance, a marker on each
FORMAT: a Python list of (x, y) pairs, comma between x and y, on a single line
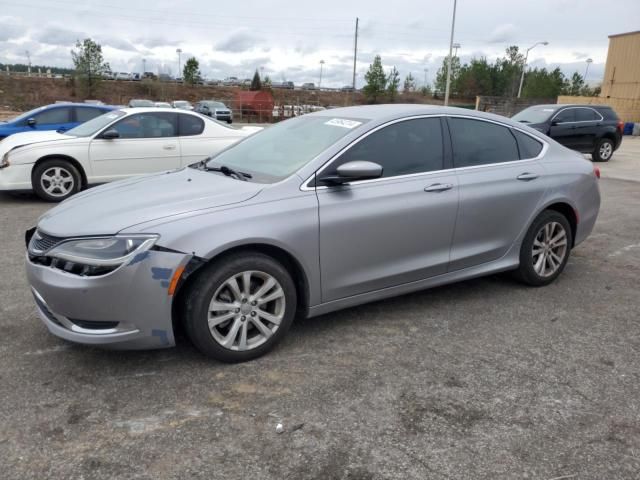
[(41, 242)]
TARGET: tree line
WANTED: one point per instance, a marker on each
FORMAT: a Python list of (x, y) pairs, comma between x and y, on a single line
[(480, 77)]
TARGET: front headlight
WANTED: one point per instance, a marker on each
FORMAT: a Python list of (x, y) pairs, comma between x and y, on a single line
[(104, 251)]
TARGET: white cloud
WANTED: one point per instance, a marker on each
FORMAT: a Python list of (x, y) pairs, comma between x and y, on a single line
[(503, 33)]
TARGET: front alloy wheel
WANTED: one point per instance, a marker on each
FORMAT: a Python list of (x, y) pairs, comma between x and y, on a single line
[(240, 306), (246, 310)]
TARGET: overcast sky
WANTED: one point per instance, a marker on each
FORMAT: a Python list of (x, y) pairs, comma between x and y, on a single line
[(287, 39)]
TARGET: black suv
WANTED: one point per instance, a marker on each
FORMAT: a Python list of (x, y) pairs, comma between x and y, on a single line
[(594, 129)]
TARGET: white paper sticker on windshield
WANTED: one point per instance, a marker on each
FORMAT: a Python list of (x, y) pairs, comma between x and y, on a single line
[(548, 110), (343, 122)]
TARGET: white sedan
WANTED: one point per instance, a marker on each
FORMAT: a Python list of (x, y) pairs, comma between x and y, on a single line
[(116, 145)]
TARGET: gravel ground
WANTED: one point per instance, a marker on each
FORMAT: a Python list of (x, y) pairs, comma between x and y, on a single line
[(485, 379)]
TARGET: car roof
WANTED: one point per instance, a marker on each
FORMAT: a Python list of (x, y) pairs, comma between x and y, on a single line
[(385, 112), (72, 104), (153, 109)]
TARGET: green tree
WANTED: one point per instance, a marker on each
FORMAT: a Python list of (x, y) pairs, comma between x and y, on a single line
[(441, 75), (426, 91), (574, 85), (507, 71), (474, 79), (256, 83), (266, 83), (393, 82), (540, 83), (409, 84), (376, 81), (89, 65), (191, 71)]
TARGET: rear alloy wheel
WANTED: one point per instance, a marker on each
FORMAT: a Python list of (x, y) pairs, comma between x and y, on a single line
[(55, 180), (603, 151), (240, 307), (545, 249)]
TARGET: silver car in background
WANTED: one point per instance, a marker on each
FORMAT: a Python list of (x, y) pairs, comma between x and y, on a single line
[(318, 213)]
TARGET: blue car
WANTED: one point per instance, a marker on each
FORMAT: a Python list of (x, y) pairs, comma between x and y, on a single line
[(60, 117)]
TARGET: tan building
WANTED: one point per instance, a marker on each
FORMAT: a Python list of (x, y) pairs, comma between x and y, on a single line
[(621, 83), (622, 71)]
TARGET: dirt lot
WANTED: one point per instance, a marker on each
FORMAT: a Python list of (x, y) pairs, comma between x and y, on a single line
[(486, 379)]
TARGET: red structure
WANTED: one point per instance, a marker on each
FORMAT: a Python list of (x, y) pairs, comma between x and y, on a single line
[(258, 103)]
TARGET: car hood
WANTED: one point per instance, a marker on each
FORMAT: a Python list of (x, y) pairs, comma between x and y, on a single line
[(29, 138), (113, 207)]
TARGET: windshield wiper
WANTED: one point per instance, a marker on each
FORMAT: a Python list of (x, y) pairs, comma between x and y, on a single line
[(229, 172)]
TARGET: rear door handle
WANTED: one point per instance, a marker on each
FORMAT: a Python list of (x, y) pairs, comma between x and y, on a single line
[(169, 147), (526, 177), (438, 187)]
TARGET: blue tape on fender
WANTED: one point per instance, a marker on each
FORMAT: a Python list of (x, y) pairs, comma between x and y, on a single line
[(162, 335), (139, 258), (158, 273)]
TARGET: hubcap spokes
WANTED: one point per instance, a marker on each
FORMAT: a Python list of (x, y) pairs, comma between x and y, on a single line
[(57, 181), (549, 249), (246, 310), (606, 150)]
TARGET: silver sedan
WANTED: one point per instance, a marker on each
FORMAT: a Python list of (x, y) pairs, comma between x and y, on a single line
[(317, 213)]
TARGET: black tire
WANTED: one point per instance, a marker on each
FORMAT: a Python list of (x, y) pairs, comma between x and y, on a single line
[(526, 272), (229, 121), (202, 290), (603, 150), (68, 172)]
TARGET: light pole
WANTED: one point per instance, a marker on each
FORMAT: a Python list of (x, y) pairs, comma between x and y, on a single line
[(320, 82), (144, 66), (426, 71), (453, 26), (586, 70), (456, 46), (524, 67), (178, 51)]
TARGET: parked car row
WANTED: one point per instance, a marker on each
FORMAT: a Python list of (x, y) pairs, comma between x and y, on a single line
[(114, 145)]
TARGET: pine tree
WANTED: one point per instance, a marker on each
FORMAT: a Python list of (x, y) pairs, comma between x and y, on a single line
[(191, 71), (393, 82), (376, 80), (256, 83)]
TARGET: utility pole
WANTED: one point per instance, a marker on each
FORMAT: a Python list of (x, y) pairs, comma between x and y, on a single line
[(144, 66), (453, 26), (178, 51), (355, 57), (320, 82), (28, 62)]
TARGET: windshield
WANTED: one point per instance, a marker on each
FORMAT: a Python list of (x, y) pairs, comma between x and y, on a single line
[(181, 103), (216, 104), (278, 151), (534, 114), (95, 124), (25, 115)]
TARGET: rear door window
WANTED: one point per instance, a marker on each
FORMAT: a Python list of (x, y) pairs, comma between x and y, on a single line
[(528, 146), (476, 142), (84, 114), (586, 115), (190, 125)]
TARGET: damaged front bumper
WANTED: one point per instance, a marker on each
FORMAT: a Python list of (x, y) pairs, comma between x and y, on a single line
[(129, 308)]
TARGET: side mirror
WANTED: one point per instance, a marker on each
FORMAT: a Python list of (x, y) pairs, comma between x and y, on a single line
[(353, 171), (110, 134), (31, 122), (554, 123)]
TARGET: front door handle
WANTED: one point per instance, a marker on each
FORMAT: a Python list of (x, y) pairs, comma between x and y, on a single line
[(169, 147), (438, 187), (526, 177)]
